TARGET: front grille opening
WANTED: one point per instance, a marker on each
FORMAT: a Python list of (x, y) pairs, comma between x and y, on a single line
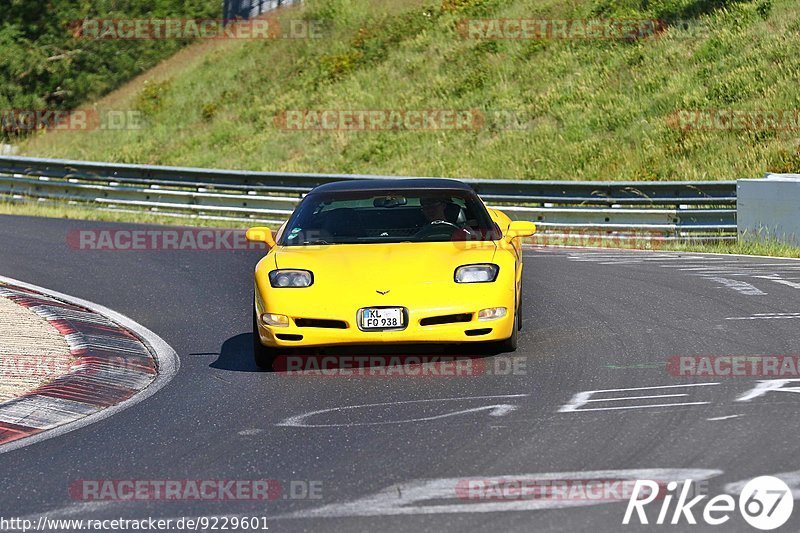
[(320, 323), (446, 319), (476, 332), (289, 337)]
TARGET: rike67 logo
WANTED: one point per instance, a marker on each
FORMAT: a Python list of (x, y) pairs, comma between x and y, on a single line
[(765, 503)]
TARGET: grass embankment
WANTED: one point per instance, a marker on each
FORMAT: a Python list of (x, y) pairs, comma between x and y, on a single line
[(590, 109), (584, 109), (768, 248)]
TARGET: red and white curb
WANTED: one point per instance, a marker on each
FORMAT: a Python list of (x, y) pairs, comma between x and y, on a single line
[(118, 363)]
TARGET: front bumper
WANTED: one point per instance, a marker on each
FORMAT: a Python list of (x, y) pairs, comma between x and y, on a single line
[(415, 331)]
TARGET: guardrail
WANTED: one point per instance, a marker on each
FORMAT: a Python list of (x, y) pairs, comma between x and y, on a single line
[(653, 210)]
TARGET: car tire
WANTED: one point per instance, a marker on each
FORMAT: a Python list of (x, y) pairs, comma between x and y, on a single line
[(263, 355), (510, 344)]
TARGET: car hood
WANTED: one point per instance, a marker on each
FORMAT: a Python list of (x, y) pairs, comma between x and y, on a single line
[(384, 266)]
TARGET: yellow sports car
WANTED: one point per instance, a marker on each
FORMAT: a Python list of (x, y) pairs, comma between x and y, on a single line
[(389, 261)]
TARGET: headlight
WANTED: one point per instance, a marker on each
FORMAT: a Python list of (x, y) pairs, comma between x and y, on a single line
[(491, 313), (290, 278), (272, 319), (476, 273)]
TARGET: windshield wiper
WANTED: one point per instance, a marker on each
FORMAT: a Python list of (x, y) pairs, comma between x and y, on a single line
[(318, 241)]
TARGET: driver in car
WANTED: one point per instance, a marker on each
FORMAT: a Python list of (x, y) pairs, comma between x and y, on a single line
[(433, 208)]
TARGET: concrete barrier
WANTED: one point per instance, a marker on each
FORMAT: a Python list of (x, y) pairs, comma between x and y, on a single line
[(769, 208)]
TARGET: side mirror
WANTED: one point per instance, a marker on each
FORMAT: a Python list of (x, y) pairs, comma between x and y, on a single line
[(520, 228), (260, 234)]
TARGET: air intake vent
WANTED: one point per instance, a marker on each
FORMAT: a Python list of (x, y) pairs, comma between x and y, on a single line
[(289, 337), (320, 323), (446, 319)]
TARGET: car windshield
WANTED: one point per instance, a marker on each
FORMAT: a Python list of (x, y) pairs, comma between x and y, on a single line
[(349, 217)]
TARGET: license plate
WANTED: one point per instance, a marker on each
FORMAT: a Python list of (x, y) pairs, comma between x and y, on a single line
[(382, 317)]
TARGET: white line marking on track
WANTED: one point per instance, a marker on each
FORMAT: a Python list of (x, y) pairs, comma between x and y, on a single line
[(766, 316), (452, 495), (657, 387), (739, 286), (723, 417), (788, 283), (719, 269), (434, 496), (688, 255), (637, 397), (494, 410), (80, 509), (582, 398), (769, 385), (678, 404), (790, 478), (715, 268)]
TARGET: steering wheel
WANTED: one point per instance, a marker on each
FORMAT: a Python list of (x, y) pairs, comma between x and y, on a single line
[(436, 226)]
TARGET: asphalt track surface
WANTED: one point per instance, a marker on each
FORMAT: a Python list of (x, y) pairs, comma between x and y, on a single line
[(593, 320)]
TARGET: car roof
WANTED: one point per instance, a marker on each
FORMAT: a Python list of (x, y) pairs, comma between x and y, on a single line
[(393, 184)]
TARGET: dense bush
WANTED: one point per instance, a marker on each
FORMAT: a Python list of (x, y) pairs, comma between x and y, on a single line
[(44, 65)]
